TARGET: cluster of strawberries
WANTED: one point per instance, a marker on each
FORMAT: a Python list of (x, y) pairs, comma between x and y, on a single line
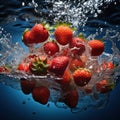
[(65, 57)]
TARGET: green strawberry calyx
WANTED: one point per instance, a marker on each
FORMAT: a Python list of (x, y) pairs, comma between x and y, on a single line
[(81, 35), (63, 23), (39, 67)]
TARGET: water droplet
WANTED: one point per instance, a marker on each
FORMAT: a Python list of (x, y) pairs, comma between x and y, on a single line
[(23, 3)]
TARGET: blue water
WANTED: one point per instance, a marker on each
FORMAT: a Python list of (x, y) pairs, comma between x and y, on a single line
[(14, 105)]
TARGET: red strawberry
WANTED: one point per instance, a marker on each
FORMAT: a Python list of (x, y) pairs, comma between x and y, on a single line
[(23, 67), (38, 34), (108, 65), (97, 47), (4, 69), (63, 34), (41, 94), (27, 85), (65, 51), (66, 78), (51, 47), (81, 76), (77, 45), (58, 65), (1, 69), (32, 57), (76, 63), (25, 38), (104, 86), (71, 98)]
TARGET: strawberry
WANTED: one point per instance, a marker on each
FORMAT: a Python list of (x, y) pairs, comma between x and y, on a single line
[(65, 51), (58, 65), (51, 47), (108, 65), (66, 78), (77, 45), (81, 76), (71, 98), (104, 86), (23, 67), (97, 47), (76, 63), (63, 34), (38, 34), (31, 57), (27, 85), (41, 94), (25, 38), (1, 69), (4, 69), (39, 66)]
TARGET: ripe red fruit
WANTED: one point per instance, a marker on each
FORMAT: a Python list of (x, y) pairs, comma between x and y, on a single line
[(27, 85), (104, 86), (71, 98), (108, 65), (4, 69), (1, 69), (41, 94), (77, 45), (65, 51), (63, 34), (51, 47), (76, 63), (81, 76), (58, 65), (38, 33), (25, 38), (66, 78), (23, 67), (97, 47)]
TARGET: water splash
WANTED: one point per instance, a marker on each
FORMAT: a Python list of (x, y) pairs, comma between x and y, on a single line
[(77, 12), (86, 100)]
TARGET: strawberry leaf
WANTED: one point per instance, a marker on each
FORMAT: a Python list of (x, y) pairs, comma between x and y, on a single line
[(64, 24), (81, 35)]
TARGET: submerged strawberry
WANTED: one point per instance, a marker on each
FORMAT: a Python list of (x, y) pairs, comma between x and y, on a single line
[(77, 46), (41, 94), (38, 33), (81, 76), (27, 85), (58, 65), (4, 69), (108, 65), (63, 34), (97, 47), (23, 67), (71, 98), (76, 63), (66, 78), (104, 86), (51, 47)]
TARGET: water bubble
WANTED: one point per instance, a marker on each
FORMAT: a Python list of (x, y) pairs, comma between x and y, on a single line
[(23, 3)]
